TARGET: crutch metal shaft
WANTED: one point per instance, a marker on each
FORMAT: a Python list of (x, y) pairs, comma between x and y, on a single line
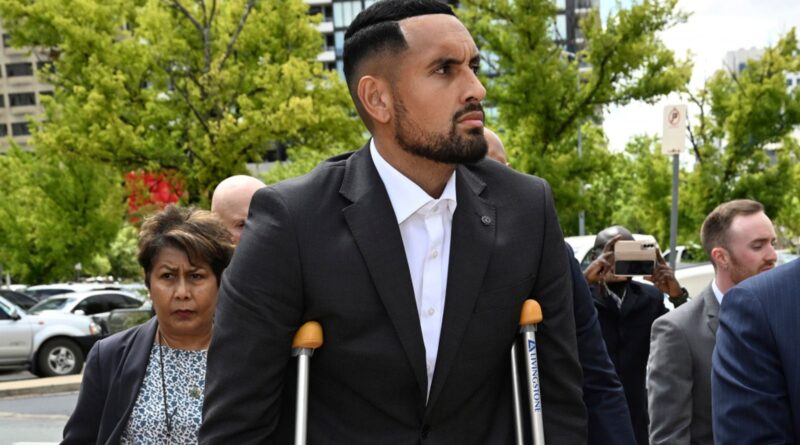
[(307, 339), (530, 316)]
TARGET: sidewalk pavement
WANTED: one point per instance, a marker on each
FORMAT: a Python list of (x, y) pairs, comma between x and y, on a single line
[(46, 385)]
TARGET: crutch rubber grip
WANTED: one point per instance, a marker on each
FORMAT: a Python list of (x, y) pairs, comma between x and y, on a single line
[(531, 313), (309, 336)]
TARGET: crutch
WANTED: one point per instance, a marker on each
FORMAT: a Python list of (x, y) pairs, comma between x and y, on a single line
[(306, 340), (529, 317)]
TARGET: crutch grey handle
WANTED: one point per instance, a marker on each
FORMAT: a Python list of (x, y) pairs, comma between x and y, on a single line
[(307, 339), (530, 316)]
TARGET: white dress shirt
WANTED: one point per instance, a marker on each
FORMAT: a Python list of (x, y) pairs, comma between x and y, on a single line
[(425, 226), (717, 293)]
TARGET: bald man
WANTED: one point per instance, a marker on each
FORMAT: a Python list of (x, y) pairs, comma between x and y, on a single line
[(231, 202), (494, 145)]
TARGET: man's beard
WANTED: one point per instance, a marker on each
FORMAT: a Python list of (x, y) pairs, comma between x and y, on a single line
[(740, 273), (452, 148)]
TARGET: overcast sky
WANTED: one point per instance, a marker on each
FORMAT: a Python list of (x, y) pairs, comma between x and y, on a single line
[(714, 28)]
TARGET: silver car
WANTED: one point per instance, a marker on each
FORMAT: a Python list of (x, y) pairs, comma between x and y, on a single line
[(97, 304), (49, 344)]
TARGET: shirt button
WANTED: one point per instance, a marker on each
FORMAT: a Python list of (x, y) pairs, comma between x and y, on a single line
[(431, 311), (434, 253)]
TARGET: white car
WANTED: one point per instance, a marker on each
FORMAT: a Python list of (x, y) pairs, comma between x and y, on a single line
[(42, 291), (97, 304), (47, 344)]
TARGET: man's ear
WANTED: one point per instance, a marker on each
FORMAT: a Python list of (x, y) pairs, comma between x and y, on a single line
[(721, 257), (376, 98)]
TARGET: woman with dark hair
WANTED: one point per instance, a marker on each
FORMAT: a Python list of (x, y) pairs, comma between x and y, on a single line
[(145, 385)]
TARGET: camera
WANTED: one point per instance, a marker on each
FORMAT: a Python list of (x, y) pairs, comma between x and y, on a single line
[(634, 258)]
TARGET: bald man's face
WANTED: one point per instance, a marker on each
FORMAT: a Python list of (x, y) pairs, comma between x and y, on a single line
[(233, 214), (232, 206)]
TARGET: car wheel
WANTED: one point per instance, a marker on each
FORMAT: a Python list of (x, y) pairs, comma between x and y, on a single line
[(59, 357)]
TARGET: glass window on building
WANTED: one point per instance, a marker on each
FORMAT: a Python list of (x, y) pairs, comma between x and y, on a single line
[(2, 101), (19, 69), (20, 129), (6, 38), (21, 99), (561, 26), (561, 5), (338, 18), (349, 10), (3, 129), (369, 3), (338, 41)]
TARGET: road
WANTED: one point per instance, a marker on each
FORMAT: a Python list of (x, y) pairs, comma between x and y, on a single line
[(38, 419)]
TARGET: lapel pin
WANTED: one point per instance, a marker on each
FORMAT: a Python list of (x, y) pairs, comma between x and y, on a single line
[(486, 220)]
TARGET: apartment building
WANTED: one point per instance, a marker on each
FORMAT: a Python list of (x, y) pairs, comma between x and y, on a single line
[(20, 92)]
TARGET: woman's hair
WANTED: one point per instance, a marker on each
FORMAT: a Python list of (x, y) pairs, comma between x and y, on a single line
[(198, 233)]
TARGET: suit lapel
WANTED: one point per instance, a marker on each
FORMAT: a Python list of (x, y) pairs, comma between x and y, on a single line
[(711, 309), (131, 375), (472, 238), (373, 224)]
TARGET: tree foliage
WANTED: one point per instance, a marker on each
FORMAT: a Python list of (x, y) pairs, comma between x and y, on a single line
[(743, 138), (198, 87), (55, 212), (544, 93)]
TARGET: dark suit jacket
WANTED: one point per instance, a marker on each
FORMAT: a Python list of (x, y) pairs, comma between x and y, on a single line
[(327, 247), (755, 383), (609, 418), (113, 374), (679, 373), (626, 331)]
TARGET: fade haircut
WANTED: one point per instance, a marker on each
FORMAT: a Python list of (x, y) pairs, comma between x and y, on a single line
[(714, 232), (376, 31), (197, 233)]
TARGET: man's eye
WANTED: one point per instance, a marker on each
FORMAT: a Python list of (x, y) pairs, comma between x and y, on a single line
[(167, 275), (475, 68), (444, 69)]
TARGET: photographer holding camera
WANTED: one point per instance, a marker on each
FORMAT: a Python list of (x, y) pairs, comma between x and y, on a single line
[(626, 310)]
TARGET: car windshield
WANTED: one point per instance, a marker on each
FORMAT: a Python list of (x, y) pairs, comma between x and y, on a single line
[(7, 308), (51, 304), (44, 293)]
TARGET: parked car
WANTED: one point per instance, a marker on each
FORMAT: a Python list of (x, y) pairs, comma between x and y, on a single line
[(97, 304), (20, 299), (48, 344), (121, 319), (43, 291)]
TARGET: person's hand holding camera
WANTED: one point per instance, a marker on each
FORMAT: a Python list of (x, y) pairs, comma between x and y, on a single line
[(603, 266), (664, 279)]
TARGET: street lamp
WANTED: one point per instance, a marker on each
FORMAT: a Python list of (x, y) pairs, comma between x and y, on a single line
[(78, 268), (571, 56)]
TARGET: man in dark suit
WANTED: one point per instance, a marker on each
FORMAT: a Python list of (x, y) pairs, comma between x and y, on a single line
[(403, 252), (738, 238), (755, 382), (609, 417), (626, 310)]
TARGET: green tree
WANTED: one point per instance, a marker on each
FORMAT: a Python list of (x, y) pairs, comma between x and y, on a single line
[(743, 139), (202, 87), (544, 93), (55, 212)]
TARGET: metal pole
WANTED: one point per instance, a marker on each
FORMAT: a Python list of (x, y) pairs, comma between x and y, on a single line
[(581, 213), (673, 223), (517, 395), (535, 398), (301, 412)]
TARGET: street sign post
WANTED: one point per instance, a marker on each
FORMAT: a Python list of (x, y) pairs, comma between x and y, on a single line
[(673, 142)]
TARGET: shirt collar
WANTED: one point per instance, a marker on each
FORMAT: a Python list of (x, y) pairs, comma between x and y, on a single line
[(717, 293), (404, 194)]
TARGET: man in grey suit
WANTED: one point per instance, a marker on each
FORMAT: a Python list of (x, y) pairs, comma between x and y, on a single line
[(738, 237), (413, 253)]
